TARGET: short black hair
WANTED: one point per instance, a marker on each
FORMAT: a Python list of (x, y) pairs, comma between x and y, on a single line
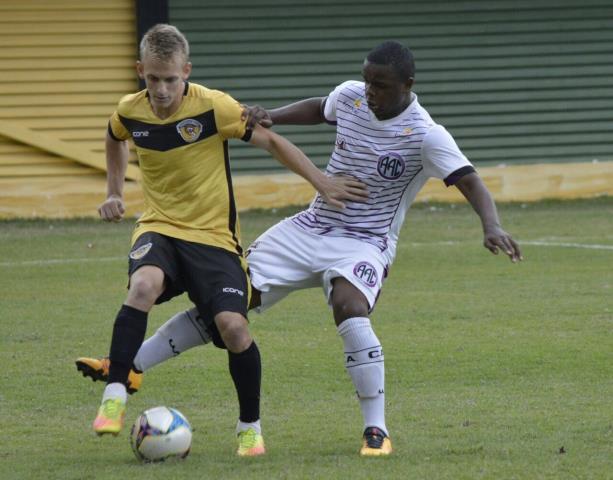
[(394, 54)]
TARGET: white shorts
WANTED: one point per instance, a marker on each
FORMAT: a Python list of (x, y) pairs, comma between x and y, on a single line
[(287, 257)]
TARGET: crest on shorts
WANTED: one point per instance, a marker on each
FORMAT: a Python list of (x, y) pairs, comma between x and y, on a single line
[(390, 166), (366, 273), (189, 129), (140, 252)]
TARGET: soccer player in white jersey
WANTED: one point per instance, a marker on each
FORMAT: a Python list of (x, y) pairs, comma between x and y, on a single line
[(388, 141)]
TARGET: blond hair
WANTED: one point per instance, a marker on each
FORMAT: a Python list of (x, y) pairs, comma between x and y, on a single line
[(162, 42)]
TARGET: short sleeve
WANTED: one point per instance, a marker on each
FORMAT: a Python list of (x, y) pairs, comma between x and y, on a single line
[(116, 129), (441, 155), (331, 100), (228, 118)]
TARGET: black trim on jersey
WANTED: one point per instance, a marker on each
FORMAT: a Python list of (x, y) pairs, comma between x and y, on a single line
[(111, 134), (166, 137), (322, 107), (453, 177), (231, 201), (247, 136), (186, 89)]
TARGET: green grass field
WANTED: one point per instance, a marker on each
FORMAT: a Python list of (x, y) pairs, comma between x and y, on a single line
[(493, 370)]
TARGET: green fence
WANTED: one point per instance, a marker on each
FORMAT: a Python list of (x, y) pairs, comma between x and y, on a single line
[(514, 81)]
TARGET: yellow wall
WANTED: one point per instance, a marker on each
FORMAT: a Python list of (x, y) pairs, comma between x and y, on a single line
[(64, 64), (53, 198)]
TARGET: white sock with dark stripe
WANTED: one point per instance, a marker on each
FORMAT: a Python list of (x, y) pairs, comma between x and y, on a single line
[(182, 332), (364, 363)]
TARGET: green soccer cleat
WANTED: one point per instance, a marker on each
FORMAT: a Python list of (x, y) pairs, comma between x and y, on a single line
[(110, 417), (98, 369), (250, 443), (376, 443)]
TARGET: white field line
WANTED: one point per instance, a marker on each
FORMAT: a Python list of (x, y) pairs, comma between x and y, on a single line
[(63, 261), (568, 245), (537, 243), (59, 261)]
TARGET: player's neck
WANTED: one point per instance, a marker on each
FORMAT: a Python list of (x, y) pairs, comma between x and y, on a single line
[(164, 112)]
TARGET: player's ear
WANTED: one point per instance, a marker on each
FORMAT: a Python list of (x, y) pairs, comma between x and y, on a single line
[(409, 83), (187, 70), (140, 70)]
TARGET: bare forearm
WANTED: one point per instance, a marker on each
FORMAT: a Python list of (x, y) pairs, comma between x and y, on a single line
[(480, 199), (294, 159), (304, 112), (117, 154)]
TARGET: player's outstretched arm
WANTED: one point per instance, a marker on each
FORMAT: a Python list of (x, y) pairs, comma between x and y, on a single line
[(304, 112), (333, 189), (494, 237), (117, 153)]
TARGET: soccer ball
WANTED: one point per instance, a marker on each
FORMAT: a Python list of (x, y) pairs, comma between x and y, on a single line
[(160, 433)]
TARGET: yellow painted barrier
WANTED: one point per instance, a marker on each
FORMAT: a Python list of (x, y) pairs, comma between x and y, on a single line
[(51, 144), (65, 197)]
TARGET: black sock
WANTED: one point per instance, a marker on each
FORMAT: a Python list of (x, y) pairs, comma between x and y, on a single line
[(128, 335), (246, 371)]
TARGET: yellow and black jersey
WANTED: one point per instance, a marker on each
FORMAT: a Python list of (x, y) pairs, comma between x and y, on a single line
[(185, 165)]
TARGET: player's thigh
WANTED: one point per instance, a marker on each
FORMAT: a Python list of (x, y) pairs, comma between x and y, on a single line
[(146, 285), (281, 261), (360, 265), (216, 280), (153, 267)]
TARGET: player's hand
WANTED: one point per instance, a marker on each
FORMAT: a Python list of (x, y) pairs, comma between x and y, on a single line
[(495, 239), (340, 187), (112, 209), (256, 115)]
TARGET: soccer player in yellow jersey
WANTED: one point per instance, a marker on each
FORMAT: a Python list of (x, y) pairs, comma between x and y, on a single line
[(188, 238)]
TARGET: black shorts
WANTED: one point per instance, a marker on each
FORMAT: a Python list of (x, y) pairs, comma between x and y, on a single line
[(214, 279)]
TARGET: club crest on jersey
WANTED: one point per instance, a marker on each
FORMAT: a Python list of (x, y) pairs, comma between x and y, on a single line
[(390, 166), (189, 129), (366, 273), (140, 252)]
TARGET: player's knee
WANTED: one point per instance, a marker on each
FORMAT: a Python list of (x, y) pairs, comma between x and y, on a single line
[(233, 331), (145, 288), (348, 308), (347, 301)]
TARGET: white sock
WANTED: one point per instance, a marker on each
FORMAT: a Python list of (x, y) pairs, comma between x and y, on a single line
[(364, 363), (115, 391), (242, 426), (180, 333)]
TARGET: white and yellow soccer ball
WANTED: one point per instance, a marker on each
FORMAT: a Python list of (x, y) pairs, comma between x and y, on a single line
[(160, 433)]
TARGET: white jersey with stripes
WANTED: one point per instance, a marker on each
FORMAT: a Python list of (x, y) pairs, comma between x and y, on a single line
[(393, 157)]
